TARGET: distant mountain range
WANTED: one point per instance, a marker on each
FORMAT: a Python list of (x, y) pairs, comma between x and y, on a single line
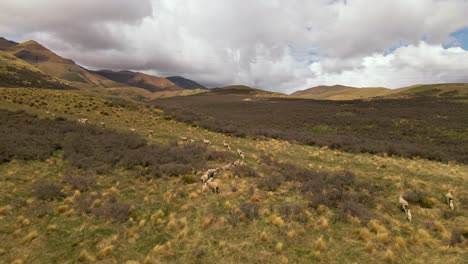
[(69, 73), (29, 64), (340, 92)]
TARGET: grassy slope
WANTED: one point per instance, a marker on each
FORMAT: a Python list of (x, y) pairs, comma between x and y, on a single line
[(437, 90), (54, 65), (195, 223), (340, 93), (15, 72)]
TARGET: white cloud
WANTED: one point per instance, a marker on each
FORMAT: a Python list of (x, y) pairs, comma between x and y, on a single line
[(267, 44), (414, 64)]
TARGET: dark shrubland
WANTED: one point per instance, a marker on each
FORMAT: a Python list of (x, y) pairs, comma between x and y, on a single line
[(335, 190), (432, 128), (26, 137)]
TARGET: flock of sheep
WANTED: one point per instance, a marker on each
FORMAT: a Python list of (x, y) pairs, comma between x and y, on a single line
[(405, 205), (207, 179), (208, 183)]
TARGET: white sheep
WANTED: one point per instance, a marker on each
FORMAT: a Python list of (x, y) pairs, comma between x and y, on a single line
[(211, 185), (241, 154), (151, 131), (226, 145), (103, 124), (132, 129), (206, 141), (192, 141), (408, 215), (209, 174), (449, 199), (184, 138), (403, 203)]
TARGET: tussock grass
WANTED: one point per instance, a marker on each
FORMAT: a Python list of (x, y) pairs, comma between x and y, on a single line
[(183, 225)]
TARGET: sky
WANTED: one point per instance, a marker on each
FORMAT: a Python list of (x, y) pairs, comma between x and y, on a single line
[(274, 45)]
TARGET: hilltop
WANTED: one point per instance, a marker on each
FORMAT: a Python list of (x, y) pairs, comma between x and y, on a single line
[(185, 83), (15, 72), (142, 80), (340, 92)]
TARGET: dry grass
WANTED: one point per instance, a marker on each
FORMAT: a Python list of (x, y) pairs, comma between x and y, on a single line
[(192, 227)]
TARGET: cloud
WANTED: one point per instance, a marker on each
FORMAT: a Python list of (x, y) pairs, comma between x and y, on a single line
[(270, 44), (413, 64)]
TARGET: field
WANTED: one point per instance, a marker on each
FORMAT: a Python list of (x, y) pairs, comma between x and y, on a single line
[(105, 194), (428, 127)]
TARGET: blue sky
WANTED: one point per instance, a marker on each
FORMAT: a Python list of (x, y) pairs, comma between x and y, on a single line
[(459, 39)]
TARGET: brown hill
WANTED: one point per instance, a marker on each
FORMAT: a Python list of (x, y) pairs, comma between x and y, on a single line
[(50, 63), (138, 79), (340, 92), (6, 44)]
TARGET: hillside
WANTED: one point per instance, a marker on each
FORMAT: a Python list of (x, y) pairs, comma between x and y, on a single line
[(340, 92), (446, 90), (111, 195), (6, 44), (138, 79), (242, 90), (17, 73), (50, 63), (185, 83)]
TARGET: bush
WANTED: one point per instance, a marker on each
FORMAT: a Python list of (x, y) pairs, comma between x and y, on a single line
[(116, 211), (244, 171), (80, 182), (93, 149), (250, 210), (270, 183), (48, 191)]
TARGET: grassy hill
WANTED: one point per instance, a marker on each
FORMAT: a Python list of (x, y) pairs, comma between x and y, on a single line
[(15, 72), (340, 92), (446, 90), (138, 79), (50, 63), (98, 194)]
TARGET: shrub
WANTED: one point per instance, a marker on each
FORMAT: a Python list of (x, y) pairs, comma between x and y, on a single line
[(250, 210), (233, 217), (270, 183), (244, 171), (116, 211), (48, 191), (80, 182)]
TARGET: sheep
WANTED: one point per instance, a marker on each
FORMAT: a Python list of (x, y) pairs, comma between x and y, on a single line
[(403, 203), (226, 145), (132, 129), (213, 186), (151, 132), (449, 199), (192, 141), (241, 154), (103, 124), (408, 215), (227, 166), (184, 138), (209, 174), (82, 120), (207, 142), (452, 207)]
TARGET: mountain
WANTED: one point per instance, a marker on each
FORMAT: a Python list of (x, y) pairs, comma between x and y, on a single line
[(185, 83), (138, 79), (6, 44), (15, 72), (50, 63), (340, 92)]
